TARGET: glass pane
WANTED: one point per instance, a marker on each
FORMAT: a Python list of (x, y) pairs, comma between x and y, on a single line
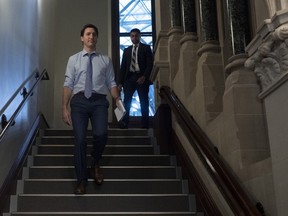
[(136, 14)]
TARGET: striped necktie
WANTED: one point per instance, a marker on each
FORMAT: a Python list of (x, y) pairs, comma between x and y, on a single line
[(88, 81), (133, 59)]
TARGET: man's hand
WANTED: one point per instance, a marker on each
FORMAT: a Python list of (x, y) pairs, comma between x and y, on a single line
[(119, 88), (66, 116)]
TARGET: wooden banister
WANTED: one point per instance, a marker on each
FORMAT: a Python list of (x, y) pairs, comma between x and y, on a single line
[(228, 184)]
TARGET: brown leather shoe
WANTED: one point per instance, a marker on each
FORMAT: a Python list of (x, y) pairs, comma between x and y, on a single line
[(97, 174), (81, 188)]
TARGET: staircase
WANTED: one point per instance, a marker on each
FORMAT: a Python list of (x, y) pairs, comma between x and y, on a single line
[(138, 180)]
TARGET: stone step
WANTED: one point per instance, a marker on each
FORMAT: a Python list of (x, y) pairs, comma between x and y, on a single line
[(110, 172), (109, 149), (107, 160), (112, 140), (110, 186), (111, 132), (103, 214), (105, 203)]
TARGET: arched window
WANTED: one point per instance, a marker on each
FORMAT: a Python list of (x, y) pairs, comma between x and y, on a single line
[(134, 14)]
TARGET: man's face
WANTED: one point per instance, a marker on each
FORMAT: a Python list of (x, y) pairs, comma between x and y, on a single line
[(89, 38), (135, 37)]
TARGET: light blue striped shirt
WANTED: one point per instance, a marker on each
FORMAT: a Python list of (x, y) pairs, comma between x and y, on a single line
[(103, 73)]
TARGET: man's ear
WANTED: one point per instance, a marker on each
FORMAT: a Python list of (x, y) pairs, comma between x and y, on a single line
[(81, 38)]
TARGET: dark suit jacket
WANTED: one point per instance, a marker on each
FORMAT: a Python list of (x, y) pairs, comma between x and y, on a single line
[(145, 62)]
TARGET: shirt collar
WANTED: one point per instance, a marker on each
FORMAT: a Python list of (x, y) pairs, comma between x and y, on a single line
[(84, 52)]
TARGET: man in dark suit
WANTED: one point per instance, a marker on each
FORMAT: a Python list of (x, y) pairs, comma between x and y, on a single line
[(134, 75)]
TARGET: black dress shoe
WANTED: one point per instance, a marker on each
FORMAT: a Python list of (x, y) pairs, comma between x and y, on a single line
[(97, 174), (81, 188)]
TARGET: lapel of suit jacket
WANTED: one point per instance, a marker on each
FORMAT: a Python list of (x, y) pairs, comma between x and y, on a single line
[(140, 47)]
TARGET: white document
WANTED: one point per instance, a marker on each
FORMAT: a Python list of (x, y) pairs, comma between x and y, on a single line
[(120, 110)]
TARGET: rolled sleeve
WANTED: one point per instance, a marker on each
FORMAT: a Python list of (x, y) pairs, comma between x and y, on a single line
[(110, 75), (69, 74)]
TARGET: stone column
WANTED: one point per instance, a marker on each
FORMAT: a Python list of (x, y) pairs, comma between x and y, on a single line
[(210, 81), (185, 79), (209, 27), (237, 27), (189, 16), (208, 17), (175, 33), (245, 141), (175, 12)]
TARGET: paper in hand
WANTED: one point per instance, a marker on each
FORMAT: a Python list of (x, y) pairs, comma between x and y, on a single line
[(120, 110)]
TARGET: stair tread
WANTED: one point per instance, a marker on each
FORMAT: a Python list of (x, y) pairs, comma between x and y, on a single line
[(89, 145), (112, 180), (120, 140), (137, 180), (106, 213), (110, 186), (90, 137), (105, 195), (104, 155), (109, 149), (111, 131), (104, 202)]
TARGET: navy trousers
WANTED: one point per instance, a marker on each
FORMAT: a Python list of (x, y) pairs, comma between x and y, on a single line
[(94, 109), (129, 87)]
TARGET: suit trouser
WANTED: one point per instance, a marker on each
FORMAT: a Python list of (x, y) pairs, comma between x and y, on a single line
[(129, 87), (94, 109)]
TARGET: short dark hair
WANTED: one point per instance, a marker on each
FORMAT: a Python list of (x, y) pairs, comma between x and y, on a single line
[(135, 30), (88, 26)]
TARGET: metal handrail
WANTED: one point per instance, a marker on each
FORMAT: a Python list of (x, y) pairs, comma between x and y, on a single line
[(34, 74), (43, 76)]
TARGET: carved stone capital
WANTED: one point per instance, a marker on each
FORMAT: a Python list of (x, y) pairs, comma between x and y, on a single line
[(270, 61), (281, 33)]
